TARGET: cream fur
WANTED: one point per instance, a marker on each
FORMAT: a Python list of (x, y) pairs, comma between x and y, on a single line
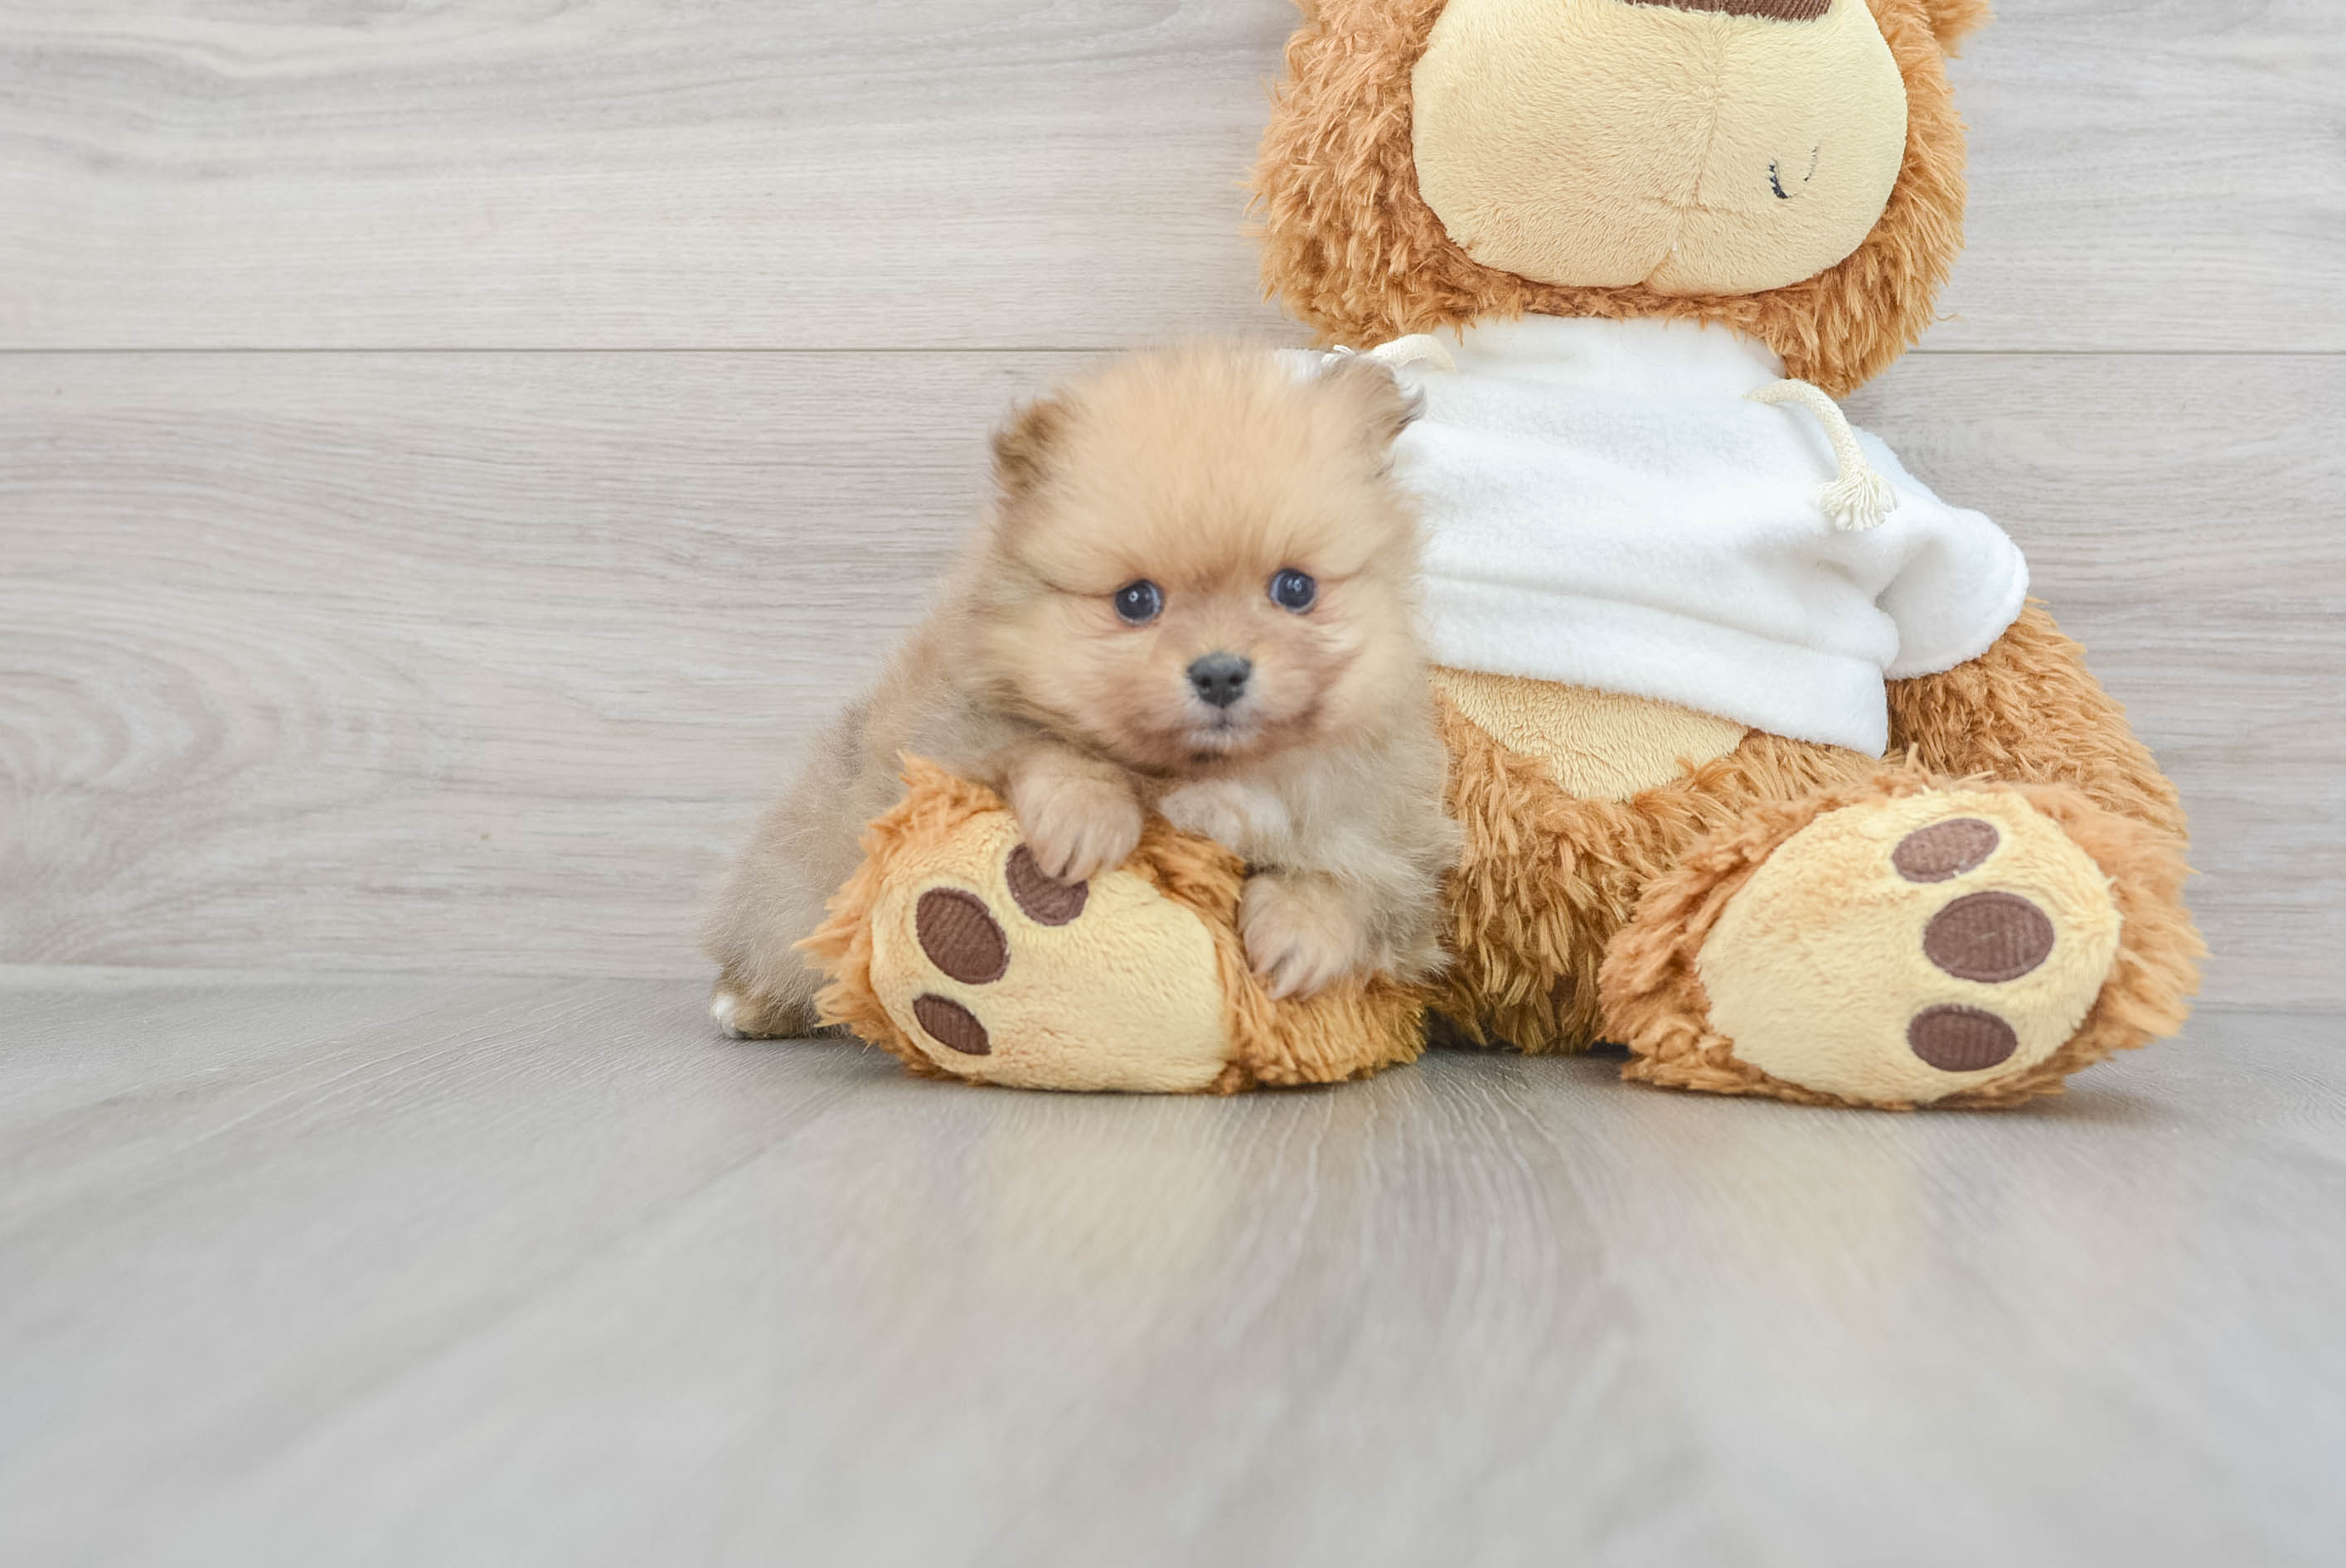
[(1817, 965), (1597, 745), (1205, 471), (1352, 247), (1592, 144)]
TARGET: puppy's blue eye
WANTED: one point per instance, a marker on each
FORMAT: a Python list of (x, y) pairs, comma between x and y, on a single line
[(1293, 590), (1138, 603)]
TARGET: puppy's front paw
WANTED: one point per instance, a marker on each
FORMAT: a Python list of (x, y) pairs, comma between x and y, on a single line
[(1301, 935), (1077, 825)]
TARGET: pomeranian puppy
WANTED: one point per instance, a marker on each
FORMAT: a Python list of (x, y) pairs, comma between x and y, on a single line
[(1196, 595)]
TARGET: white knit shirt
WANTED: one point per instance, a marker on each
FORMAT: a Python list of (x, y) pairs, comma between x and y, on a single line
[(1605, 507)]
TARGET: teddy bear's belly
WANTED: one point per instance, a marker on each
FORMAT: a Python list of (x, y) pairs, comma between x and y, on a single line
[(1598, 745)]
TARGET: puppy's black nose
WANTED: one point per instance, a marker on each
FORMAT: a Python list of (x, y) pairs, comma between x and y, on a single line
[(1221, 677)]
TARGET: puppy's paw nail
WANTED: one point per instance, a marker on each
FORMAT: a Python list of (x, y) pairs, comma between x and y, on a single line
[(1276, 960)]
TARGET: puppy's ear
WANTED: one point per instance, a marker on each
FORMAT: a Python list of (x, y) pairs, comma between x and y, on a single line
[(1383, 407), (1026, 447)]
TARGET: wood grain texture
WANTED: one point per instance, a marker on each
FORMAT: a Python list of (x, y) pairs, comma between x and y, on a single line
[(440, 659), (482, 662), (984, 173), (2153, 175), (523, 1272), (628, 173)]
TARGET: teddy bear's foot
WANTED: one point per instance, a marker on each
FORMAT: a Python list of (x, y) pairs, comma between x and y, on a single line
[(950, 948), (989, 969), (1920, 944)]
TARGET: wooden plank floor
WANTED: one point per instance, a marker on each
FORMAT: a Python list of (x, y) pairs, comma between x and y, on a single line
[(402, 1271)]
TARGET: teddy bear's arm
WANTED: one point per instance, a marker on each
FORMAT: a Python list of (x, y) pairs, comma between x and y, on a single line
[(2028, 710)]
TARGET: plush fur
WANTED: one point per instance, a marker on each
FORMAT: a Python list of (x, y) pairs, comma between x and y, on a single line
[(1594, 142), (1548, 878), (1353, 248), (1654, 1000), (1956, 20), (1201, 475), (1573, 919), (1350, 1030), (1548, 884), (2029, 710)]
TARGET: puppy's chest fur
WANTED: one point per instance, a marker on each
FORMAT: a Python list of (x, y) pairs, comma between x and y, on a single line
[(1248, 817)]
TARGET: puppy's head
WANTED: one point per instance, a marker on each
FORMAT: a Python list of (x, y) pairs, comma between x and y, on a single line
[(1199, 555)]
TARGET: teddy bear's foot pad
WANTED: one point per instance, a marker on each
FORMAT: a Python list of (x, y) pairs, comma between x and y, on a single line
[(959, 934), (1985, 936), (998, 973), (1904, 950), (950, 948)]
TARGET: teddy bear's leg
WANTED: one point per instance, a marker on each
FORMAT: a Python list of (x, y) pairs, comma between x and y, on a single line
[(1562, 835), (952, 949), (1912, 940)]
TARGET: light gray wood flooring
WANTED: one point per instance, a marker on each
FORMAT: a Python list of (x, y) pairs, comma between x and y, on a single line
[(511, 1271)]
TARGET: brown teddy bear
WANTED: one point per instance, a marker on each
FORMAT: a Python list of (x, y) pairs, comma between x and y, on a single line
[(1769, 769)]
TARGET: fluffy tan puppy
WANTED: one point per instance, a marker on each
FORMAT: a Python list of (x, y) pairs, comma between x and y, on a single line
[(1196, 595)]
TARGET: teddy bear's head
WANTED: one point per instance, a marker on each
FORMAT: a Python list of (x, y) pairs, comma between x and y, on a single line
[(1790, 167)]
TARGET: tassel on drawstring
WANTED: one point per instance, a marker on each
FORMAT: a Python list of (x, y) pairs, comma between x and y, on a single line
[(1858, 498)]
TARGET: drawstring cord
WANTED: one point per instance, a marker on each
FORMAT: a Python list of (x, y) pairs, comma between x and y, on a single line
[(1858, 498)]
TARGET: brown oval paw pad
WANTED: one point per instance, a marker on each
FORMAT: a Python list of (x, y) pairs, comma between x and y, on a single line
[(961, 937), (1044, 898), (950, 1024), (1988, 937), (1956, 1039), (1945, 850)]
